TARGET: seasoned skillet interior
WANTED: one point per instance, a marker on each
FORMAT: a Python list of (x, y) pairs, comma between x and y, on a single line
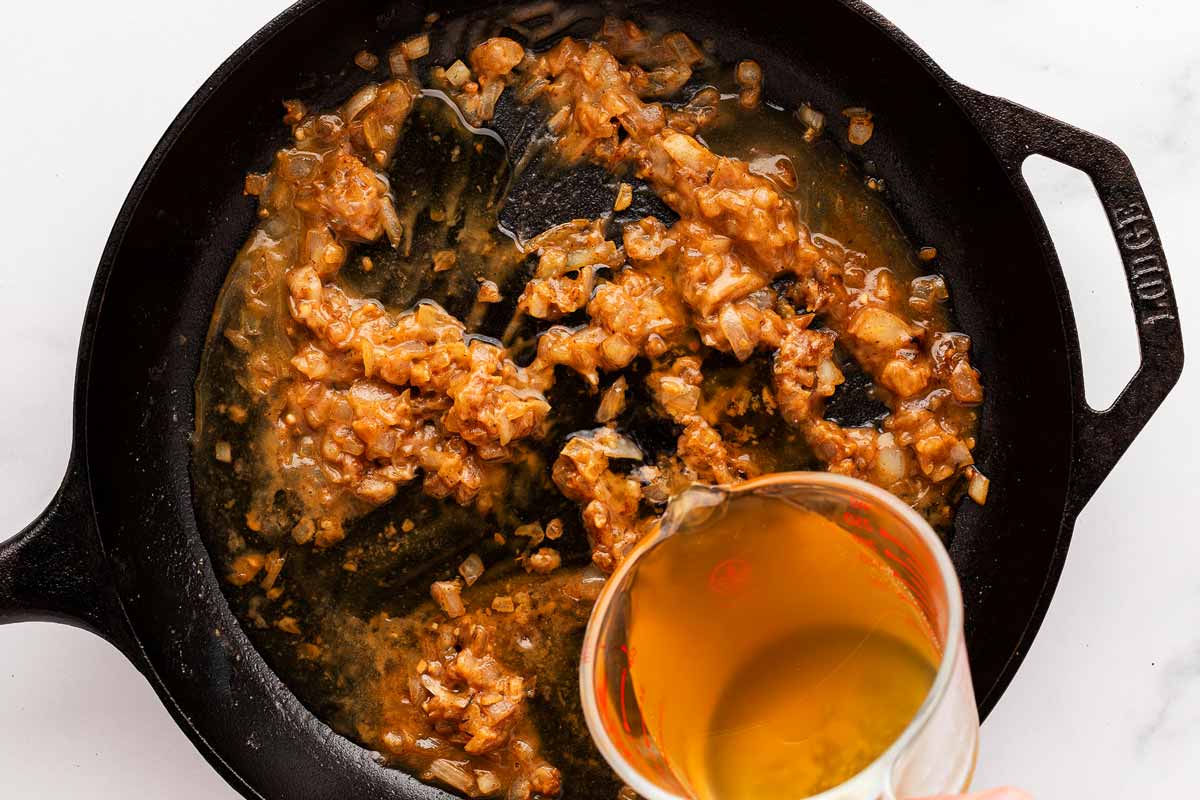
[(422, 300)]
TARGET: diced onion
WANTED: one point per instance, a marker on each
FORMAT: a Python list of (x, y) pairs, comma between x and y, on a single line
[(828, 377), (488, 98), (359, 101), (814, 121), (878, 327), (486, 782), (366, 60), (861, 126), (624, 197), (533, 531), (614, 445), (458, 74), (392, 225), (448, 596), (397, 63), (471, 568), (545, 561), (453, 774), (739, 339), (977, 486), (890, 465), (612, 402), (416, 47)]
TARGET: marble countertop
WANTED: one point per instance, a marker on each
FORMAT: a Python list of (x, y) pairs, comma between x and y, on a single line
[(1107, 704)]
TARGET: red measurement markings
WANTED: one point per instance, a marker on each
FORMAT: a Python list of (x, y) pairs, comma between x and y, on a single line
[(624, 716), (897, 552), (856, 521), (730, 576)]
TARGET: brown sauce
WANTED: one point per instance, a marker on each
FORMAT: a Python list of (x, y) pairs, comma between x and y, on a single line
[(385, 466)]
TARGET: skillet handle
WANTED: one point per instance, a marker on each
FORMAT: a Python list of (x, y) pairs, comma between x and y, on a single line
[(55, 570), (1099, 438)]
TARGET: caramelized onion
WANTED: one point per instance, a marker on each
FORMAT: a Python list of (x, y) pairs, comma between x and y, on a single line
[(448, 596), (359, 101)]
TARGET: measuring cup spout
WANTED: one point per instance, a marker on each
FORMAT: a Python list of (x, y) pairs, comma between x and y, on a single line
[(692, 507)]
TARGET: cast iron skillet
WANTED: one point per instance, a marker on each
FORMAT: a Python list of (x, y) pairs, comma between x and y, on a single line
[(118, 551)]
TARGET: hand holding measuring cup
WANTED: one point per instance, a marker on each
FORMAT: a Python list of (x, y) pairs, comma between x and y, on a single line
[(799, 635)]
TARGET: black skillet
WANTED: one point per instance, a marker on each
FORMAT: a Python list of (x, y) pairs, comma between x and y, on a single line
[(118, 551)]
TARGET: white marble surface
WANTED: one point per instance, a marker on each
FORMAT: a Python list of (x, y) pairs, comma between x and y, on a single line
[(1108, 702)]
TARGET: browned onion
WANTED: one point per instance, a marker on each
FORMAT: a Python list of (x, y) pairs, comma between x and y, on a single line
[(453, 774), (416, 47), (359, 101), (448, 596), (471, 568), (612, 402)]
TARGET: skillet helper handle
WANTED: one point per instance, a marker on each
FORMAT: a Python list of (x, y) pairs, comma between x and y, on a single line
[(55, 569), (1100, 437)]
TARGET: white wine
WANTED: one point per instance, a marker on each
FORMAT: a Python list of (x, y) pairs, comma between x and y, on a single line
[(773, 655)]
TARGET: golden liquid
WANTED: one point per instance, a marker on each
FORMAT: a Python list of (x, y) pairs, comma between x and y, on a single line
[(773, 654)]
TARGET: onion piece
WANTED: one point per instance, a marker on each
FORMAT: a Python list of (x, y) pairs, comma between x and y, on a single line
[(890, 465), (366, 60), (274, 565), (544, 561), (977, 486), (749, 77), (359, 101), (487, 782), (458, 74), (814, 121), (532, 531), (489, 292), (879, 327), (960, 456), (624, 197), (448, 596), (453, 774), (397, 63), (739, 339), (616, 445), (416, 47), (829, 377), (861, 127), (612, 402), (392, 225), (487, 101), (471, 568)]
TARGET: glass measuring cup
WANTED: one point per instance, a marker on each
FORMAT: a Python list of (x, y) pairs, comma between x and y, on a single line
[(633, 726)]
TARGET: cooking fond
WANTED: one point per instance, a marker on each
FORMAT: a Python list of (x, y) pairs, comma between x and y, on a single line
[(701, 287)]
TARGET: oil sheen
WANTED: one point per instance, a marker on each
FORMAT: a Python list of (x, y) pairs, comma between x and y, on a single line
[(773, 654)]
